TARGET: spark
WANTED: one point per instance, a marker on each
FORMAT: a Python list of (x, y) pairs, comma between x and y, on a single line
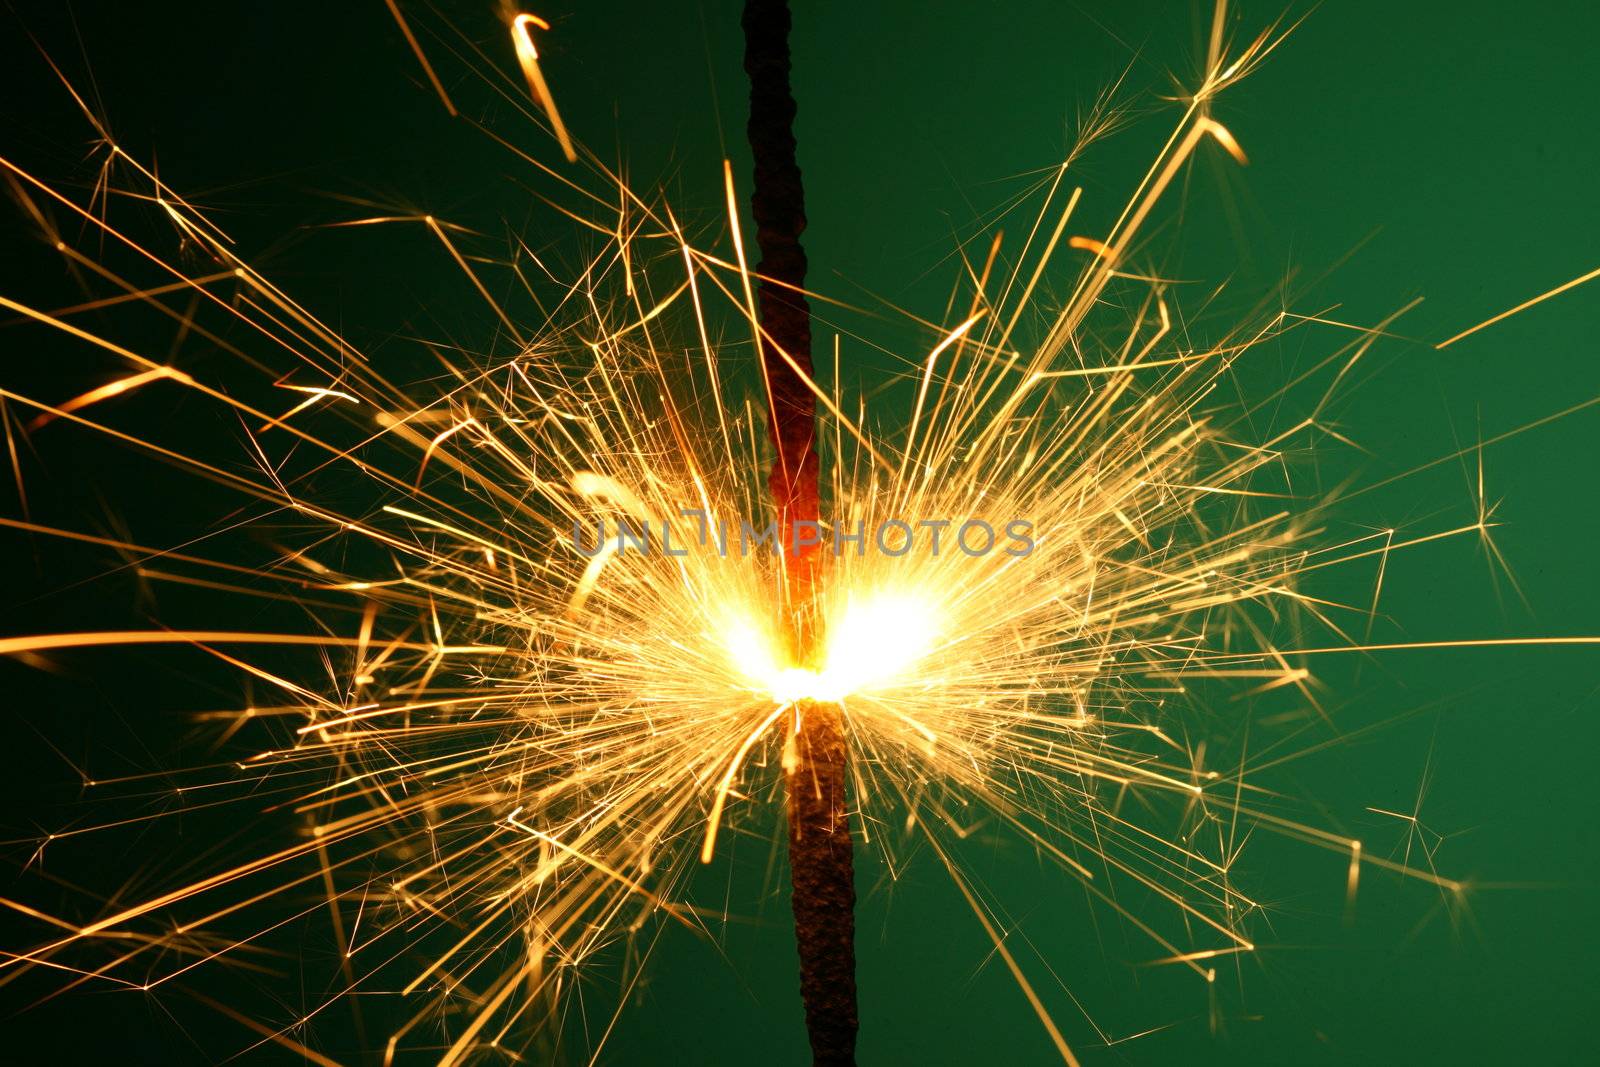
[(1524, 306), (528, 58)]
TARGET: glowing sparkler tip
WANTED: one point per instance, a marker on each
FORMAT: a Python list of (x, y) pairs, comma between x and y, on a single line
[(873, 642)]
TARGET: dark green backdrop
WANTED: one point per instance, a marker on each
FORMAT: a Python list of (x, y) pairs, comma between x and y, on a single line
[(1454, 143)]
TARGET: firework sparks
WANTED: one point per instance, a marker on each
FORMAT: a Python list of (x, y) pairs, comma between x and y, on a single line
[(560, 678)]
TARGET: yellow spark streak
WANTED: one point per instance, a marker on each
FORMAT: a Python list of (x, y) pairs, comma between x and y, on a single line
[(1220, 133), (1353, 879), (999, 942), (1524, 306), (1471, 642), (472, 276), (106, 392), (433, 79), (1090, 244), (721, 798), (927, 376), (528, 59), (46, 642), (318, 392)]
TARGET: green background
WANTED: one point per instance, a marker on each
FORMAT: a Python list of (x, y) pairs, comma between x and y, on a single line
[(1449, 146)]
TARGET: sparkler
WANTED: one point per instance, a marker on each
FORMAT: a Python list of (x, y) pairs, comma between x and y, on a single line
[(820, 848), (523, 749)]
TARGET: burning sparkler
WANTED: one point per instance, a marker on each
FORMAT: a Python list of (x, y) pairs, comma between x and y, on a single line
[(527, 742)]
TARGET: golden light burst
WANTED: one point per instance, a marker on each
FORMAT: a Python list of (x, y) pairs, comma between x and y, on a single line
[(507, 753)]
